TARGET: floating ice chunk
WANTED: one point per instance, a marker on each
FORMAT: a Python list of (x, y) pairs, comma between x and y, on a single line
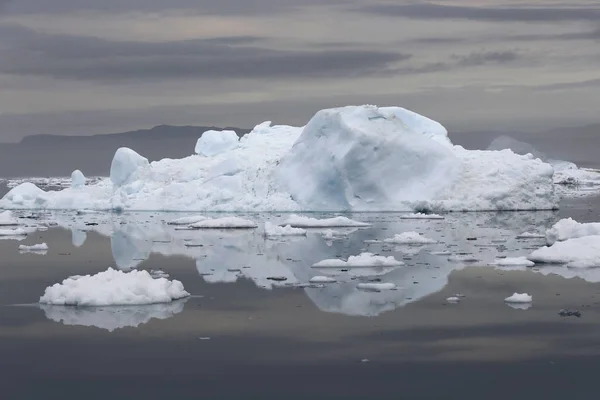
[(25, 195), (113, 287), (212, 143), (272, 230), (35, 247), (410, 238), (7, 219), (361, 260), (421, 216), (579, 252), (376, 286), (441, 253), (453, 299), (224, 223), (514, 261), (298, 221), (570, 229), (519, 298), (531, 235), (322, 279), (78, 180), (125, 164), (187, 220), (112, 317), (13, 232)]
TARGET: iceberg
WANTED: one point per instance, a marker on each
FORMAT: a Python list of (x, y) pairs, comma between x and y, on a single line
[(113, 288), (78, 180), (579, 252), (519, 298), (356, 158), (568, 228)]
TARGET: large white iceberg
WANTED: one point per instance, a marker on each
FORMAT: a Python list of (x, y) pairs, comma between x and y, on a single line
[(359, 158), (113, 288)]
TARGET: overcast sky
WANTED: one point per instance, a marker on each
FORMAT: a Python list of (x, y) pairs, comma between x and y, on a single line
[(100, 66)]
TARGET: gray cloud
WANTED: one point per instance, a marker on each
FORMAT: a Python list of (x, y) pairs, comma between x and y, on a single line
[(210, 7), (494, 14), (458, 61), (591, 83), (26, 52)]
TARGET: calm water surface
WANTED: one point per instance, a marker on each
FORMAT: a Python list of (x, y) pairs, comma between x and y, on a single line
[(242, 335)]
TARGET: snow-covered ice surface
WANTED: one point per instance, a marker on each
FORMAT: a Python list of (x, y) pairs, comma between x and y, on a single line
[(410, 238), (359, 158), (519, 298), (113, 288), (568, 229), (298, 221), (112, 317), (579, 252)]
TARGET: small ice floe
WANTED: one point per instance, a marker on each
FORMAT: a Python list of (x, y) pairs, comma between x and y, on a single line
[(272, 230), (519, 298), (569, 313), (580, 252), (421, 216), (224, 223), (41, 248), (7, 219), (520, 306), (463, 259), (410, 238), (361, 260), (453, 299), (531, 235), (322, 279), (513, 262), (441, 253), (113, 288), (298, 221), (330, 234), (376, 286), (192, 219), (13, 232), (158, 273)]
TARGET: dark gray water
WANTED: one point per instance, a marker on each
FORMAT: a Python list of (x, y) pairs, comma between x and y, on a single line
[(242, 335)]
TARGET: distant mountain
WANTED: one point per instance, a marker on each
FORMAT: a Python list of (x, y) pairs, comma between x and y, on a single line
[(52, 155)]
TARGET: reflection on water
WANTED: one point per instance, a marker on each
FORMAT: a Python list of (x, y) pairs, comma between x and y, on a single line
[(228, 256), (111, 318)]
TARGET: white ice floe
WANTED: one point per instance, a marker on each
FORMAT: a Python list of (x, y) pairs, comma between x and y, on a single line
[(113, 287), (298, 221), (78, 180), (519, 298), (7, 219), (13, 232), (411, 238), (514, 261), (272, 230), (224, 223), (35, 247), (570, 229), (579, 252), (322, 279), (112, 317), (421, 216), (531, 235), (376, 286), (361, 260), (192, 219), (359, 158), (213, 143), (453, 299)]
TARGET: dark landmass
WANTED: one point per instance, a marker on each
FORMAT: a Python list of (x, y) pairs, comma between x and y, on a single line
[(50, 155)]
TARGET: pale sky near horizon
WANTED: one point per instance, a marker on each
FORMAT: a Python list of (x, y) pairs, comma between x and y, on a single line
[(88, 66)]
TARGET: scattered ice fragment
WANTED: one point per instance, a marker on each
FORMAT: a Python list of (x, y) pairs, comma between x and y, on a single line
[(322, 279), (376, 286), (113, 287), (158, 273), (361, 260), (35, 247), (187, 220), (453, 299), (78, 180), (421, 216), (7, 219), (519, 298), (272, 230), (212, 143), (298, 221), (441, 253), (570, 313), (410, 238), (13, 232), (224, 223), (514, 261), (531, 235)]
